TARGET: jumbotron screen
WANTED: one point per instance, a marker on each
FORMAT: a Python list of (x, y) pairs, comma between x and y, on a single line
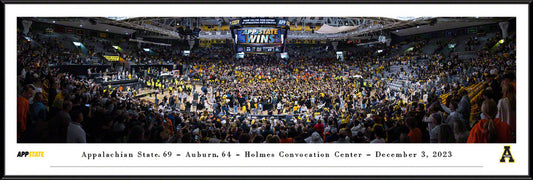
[(259, 35), (259, 39)]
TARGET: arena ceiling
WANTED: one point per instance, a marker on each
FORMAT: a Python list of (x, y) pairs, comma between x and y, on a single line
[(167, 27), (444, 23)]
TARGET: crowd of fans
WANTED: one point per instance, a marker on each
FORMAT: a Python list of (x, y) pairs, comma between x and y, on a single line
[(307, 98), (471, 43)]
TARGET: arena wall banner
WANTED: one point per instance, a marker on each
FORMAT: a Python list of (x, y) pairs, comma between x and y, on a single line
[(59, 29), (205, 43), (218, 41), (69, 30), (112, 58)]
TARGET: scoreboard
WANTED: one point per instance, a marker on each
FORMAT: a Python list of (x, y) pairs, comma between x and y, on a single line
[(259, 39), (259, 35)]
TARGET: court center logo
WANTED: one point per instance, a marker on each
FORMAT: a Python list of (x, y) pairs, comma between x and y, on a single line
[(507, 155)]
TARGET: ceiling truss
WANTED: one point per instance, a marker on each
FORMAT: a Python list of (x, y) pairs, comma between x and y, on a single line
[(168, 26)]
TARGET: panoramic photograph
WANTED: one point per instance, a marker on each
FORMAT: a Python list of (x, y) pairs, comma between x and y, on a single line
[(266, 80)]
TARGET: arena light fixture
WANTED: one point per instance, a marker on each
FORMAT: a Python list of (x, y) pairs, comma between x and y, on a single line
[(120, 18), (500, 42), (340, 55), (146, 49), (77, 44), (284, 55), (403, 18), (451, 46), (116, 47), (186, 52)]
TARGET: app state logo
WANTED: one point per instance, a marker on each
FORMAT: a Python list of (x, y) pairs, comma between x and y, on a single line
[(30, 154), (507, 155)]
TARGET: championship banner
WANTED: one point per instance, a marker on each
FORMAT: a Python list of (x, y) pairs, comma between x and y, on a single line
[(205, 43), (69, 30), (59, 29), (112, 58), (27, 25), (218, 41)]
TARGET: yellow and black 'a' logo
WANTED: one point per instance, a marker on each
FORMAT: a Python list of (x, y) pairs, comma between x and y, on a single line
[(507, 154)]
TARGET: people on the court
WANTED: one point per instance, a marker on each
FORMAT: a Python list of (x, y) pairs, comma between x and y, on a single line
[(261, 98)]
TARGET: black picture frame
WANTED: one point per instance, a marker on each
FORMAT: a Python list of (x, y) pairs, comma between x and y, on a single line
[(2, 81)]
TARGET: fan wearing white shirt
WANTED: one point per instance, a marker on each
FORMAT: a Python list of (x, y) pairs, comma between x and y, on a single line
[(75, 133)]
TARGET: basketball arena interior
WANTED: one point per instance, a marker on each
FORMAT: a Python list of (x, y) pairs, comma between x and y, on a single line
[(266, 80)]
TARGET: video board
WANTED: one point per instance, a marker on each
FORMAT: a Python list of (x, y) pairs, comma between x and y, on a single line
[(260, 35)]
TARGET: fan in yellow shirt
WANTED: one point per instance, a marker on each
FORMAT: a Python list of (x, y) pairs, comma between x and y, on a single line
[(295, 109)]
